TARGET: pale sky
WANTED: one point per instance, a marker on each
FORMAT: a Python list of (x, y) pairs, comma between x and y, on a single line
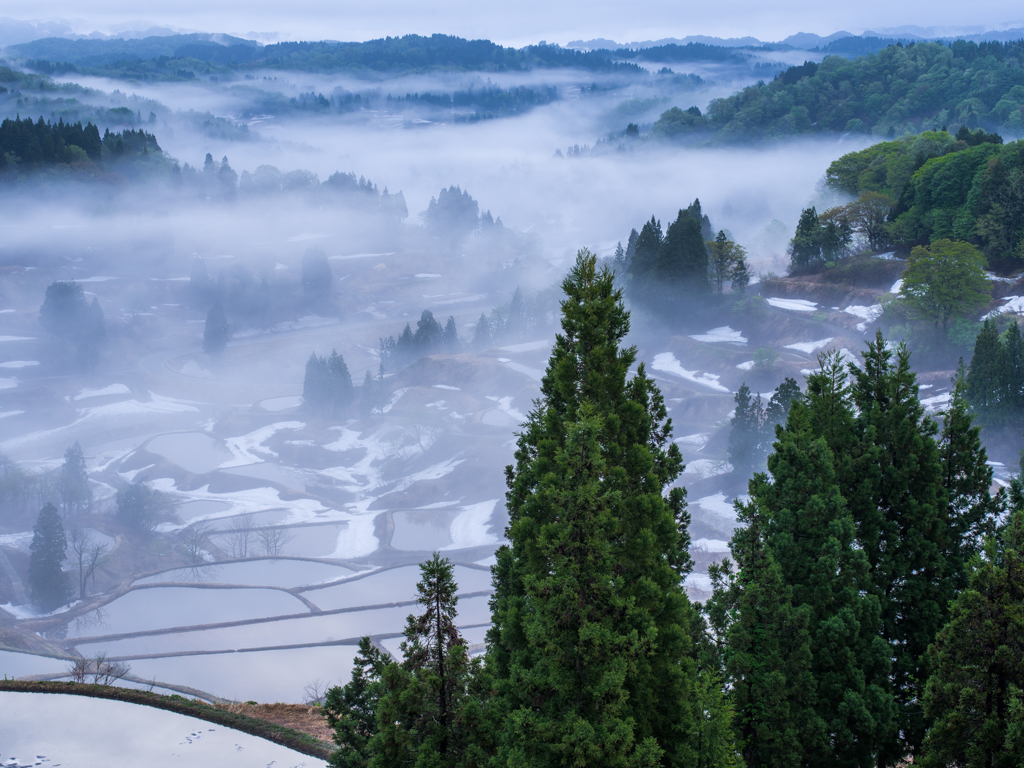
[(519, 22)]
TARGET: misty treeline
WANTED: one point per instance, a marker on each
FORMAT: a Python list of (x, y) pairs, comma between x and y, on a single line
[(525, 315), (869, 614), (27, 146), (687, 261), (920, 189), (920, 86)]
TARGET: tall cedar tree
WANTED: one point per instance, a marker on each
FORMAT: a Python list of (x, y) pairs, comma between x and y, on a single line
[(892, 473), (967, 478), (49, 585), (767, 651), (811, 535), (352, 710), (427, 714), (974, 693), (898, 501), (589, 646)]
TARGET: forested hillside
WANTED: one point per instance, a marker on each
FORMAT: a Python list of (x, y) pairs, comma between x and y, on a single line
[(899, 89), (936, 186)]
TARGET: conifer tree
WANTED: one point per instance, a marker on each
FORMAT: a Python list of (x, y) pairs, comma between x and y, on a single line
[(424, 717), (811, 534), (589, 646), (450, 340), (352, 710), (973, 695), (983, 377), (217, 331), (899, 504), (75, 493), (482, 333), (745, 432), (767, 650), (49, 585), (967, 477)]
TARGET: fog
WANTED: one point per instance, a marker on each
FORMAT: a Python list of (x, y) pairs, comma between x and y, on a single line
[(227, 441)]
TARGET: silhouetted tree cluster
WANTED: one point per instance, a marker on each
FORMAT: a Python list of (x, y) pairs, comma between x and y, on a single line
[(429, 338), (820, 238), (33, 145), (216, 332), (752, 427), (73, 321), (452, 215), (660, 268), (327, 387), (141, 506)]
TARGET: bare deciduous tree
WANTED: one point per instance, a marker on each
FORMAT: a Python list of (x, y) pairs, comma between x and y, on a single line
[(79, 669), (89, 554), (106, 672), (240, 535), (273, 540), (194, 538), (315, 691)]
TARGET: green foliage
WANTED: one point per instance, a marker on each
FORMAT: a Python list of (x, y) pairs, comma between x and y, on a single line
[(49, 585), (995, 381), (351, 710), (821, 239), (728, 261), (969, 188), (945, 280), (664, 268), (896, 90), (973, 695), (589, 647), (428, 708), (327, 387), (216, 332)]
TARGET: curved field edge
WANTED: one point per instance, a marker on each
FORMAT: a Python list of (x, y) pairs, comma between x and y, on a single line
[(286, 737)]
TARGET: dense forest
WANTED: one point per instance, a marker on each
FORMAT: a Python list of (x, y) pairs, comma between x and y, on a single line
[(899, 89), (27, 146), (869, 616), (162, 57), (919, 189)]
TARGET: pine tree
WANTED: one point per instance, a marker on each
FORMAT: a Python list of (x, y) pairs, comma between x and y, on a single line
[(983, 377), (1011, 378), (745, 432), (76, 495), (767, 651), (972, 511), (589, 647), (217, 331), (450, 340), (420, 712), (811, 534), (352, 710), (682, 262), (340, 383), (482, 334), (978, 662), (49, 585)]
